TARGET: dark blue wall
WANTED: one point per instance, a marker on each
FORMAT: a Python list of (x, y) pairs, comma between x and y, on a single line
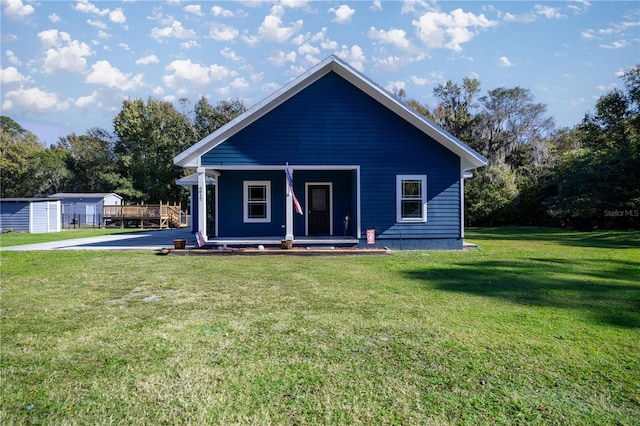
[(333, 122)]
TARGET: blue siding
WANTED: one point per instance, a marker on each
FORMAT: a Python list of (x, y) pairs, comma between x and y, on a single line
[(332, 122), (14, 216), (230, 213), (76, 208), (230, 209)]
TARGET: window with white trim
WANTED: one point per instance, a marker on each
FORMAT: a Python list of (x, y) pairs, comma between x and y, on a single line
[(411, 198), (256, 200)]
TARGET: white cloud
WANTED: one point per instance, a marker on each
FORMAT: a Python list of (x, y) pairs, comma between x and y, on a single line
[(418, 81), (250, 40), (183, 70), (354, 56), (325, 42), (175, 30), (33, 99), (83, 102), (12, 58), (278, 58), (117, 16), (104, 74), (619, 44), (63, 53), (588, 34), (54, 18), (229, 53), (579, 6), (548, 12), (376, 6), (189, 44), (411, 6), (149, 59), (503, 61), (11, 75), (195, 9), (395, 86), (307, 49), (525, 18), (86, 7), (272, 28), (343, 14), (239, 83), (395, 37), (295, 4), (222, 32), (14, 9), (220, 11), (97, 24), (450, 30)]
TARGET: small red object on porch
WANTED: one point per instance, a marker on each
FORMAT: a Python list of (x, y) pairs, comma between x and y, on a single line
[(371, 236)]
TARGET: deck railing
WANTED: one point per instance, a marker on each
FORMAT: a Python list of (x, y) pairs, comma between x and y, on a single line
[(144, 215)]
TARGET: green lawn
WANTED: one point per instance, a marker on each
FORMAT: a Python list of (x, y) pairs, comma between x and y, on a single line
[(538, 326), (8, 239)]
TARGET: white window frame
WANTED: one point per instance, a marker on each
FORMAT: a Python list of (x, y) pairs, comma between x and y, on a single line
[(245, 200), (399, 199)]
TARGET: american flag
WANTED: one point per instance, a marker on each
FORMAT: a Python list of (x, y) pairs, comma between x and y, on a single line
[(290, 185)]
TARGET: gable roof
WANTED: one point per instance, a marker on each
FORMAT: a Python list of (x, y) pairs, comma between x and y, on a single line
[(190, 157), (84, 195)]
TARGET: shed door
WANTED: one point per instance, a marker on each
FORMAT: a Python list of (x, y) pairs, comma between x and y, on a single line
[(90, 211), (319, 206)]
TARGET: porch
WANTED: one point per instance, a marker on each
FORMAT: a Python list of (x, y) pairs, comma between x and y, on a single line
[(308, 241)]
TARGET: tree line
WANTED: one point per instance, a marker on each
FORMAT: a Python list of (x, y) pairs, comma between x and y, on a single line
[(537, 174), (134, 161)]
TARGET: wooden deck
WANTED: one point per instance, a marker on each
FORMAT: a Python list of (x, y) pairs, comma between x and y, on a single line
[(158, 216)]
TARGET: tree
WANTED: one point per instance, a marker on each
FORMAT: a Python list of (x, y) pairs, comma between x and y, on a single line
[(50, 170), (209, 118), (91, 162), (456, 110), (510, 119), (599, 180), (149, 136), (19, 150)]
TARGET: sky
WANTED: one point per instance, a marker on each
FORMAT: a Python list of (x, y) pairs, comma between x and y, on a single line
[(67, 66)]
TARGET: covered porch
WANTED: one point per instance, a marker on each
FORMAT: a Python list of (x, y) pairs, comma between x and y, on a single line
[(259, 205)]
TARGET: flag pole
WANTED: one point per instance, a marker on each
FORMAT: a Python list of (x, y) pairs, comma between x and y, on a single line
[(289, 206)]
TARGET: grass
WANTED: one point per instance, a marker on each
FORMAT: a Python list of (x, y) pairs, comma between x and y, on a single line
[(536, 327), (8, 239)]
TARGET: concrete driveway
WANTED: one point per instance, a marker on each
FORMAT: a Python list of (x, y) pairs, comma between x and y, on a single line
[(143, 240)]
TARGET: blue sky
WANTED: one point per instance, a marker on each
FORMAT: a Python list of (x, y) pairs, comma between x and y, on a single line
[(66, 66)]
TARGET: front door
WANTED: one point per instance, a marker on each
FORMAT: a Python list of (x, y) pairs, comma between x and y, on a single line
[(319, 209)]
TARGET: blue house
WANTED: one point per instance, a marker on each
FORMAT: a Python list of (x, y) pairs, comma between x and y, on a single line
[(366, 170)]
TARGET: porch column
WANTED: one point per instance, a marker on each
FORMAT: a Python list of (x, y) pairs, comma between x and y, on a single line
[(288, 209), (202, 202)]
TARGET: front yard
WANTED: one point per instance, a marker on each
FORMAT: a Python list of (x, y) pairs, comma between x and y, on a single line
[(538, 326)]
